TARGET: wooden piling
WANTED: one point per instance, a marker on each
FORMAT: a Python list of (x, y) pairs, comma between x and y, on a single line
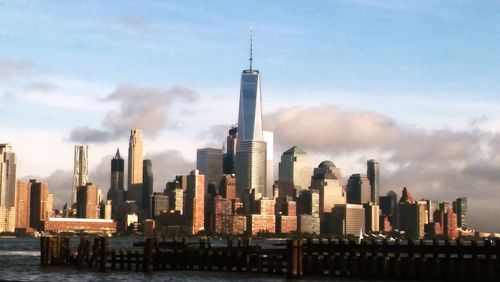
[(103, 254), (147, 255)]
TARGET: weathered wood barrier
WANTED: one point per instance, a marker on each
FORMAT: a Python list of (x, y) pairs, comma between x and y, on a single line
[(422, 260)]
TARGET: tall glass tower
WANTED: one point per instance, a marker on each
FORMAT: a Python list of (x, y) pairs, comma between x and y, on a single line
[(7, 176), (373, 173), (251, 148), (250, 114), (116, 192), (81, 169)]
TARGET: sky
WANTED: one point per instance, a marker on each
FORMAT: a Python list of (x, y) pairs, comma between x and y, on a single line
[(412, 84)]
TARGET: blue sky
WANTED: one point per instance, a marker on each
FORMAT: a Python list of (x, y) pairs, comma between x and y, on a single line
[(423, 47), (413, 84)]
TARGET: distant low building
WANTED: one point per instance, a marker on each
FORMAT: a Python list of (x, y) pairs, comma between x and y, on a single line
[(77, 225)]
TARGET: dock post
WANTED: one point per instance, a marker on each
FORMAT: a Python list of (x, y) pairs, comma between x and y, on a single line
[(291, 260), (43, 250), (148, 255), (103, 254)]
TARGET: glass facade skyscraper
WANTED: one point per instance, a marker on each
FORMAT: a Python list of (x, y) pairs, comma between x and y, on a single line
[(373, 174), (81, 169), (251, 164), (250, 113)]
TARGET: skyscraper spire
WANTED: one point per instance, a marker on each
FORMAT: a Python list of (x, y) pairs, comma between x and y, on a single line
[(251, 39)]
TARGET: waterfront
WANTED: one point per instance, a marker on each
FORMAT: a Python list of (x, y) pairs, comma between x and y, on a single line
[(20, 261)]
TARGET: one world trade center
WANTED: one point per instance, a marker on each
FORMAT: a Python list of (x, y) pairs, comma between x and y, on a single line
[(251, 149)]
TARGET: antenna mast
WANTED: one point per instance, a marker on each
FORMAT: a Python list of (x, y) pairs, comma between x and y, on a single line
[(251, 39)]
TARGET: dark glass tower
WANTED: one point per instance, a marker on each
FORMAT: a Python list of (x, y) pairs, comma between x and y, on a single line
[(229, 156), (116, 191), (147, 186), (374, 177)]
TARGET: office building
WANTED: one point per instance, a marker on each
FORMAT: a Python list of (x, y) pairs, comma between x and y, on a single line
[(228, 166), (447, 221), (159, 204), (105, 209), (175, 192), (358, 190), (227, 188), (372, 217), (327, 180), (294, 171), (251, 149), (209, 163), (7, 176), (194, 207), (81, 169), (23, 204), (460, 208), (116, 192), (250, 169), (269, 139), (309, 203), (8, 183), (147, 187), (411, 216), (373, 175), (87, 201), (39, 193), (388, 203), (345, 219), (135, 169)]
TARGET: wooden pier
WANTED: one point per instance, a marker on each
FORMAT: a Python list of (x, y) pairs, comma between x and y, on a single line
[(421, 260)]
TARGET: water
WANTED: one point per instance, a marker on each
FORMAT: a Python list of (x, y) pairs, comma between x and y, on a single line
[(20, 261)]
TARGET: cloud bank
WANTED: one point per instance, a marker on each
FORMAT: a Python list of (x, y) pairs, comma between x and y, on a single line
[(144, 108), (438, 164)]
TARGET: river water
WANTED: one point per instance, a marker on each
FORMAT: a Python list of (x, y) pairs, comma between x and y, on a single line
[(20, 261)]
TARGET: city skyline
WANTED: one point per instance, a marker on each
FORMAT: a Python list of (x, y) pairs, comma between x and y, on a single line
[(424, 108)]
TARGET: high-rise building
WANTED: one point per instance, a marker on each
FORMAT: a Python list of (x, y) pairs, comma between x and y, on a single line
[(195, 202), (87, 201), (411, 216), (106, 209), (159, 204), (374, 177), (175, 191), (50, 205), (81, 169), (228, 166), (309, 203), (460, 208), (294, 171), (327, 180), (372, 217), (358, 189), (7, 188), (227, 188), (39, 193), (116, 192), (135, 158), (269, 139), (388, 203), (23, 204), (250, 110), (147, 186), (7, 176), (250, 169), (251, 156), (345, 219), (447, 221), (209, 163)]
